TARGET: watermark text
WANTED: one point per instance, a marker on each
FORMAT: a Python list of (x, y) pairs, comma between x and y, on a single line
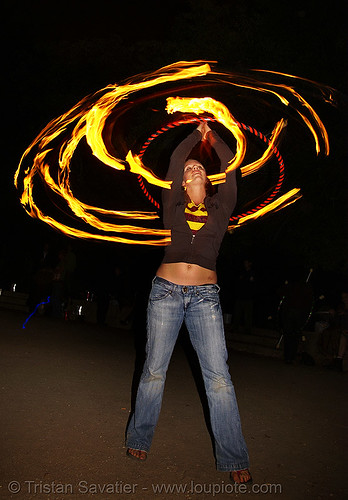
[(122, 488)]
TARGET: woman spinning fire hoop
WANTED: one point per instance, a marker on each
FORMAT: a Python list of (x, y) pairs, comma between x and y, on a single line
[(185, 289)]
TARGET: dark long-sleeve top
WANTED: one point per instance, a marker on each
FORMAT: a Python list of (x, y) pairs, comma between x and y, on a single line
[(203, 249)]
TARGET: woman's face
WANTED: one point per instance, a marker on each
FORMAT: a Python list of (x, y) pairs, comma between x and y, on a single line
[(194, 172)]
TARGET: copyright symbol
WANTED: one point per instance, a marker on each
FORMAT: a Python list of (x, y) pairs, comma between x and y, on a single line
[(14, 487)]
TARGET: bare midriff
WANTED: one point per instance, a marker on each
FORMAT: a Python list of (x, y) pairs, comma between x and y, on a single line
[(182, 273)]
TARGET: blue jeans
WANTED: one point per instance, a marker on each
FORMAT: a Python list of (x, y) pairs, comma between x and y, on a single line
[(199, 306)]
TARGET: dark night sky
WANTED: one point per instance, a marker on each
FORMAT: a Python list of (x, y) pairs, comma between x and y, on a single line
[(55, 53)]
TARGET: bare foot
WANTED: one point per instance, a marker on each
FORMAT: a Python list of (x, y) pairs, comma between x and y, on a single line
[(241, 476), (137, 454)]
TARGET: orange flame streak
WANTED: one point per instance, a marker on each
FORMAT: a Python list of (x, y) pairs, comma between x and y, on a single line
[(224, 78), (137, 167), (256, 165), (274, 89), (79, 209), (317, 121), (97, 116), (197, 106), (222, 115), (90, 124), (52, 130), (281, 202), (326, 91), (77, 233), (89, 117), (318, 124)]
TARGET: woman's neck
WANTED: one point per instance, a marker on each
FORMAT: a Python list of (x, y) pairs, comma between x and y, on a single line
[(196, 194)]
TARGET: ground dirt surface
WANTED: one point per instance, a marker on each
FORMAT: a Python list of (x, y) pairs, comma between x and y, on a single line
[(66, 390)]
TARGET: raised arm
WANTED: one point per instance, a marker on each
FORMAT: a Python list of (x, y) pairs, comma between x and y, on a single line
[(227, 191), (176, 169), (179, 156)]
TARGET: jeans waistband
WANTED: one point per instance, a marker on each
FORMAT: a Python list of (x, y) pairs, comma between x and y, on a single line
[(184, 288)]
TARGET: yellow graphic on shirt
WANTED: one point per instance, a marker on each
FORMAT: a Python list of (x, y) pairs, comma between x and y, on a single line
[(196, 216)]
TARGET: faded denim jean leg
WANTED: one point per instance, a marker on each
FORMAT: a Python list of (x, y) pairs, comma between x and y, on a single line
[(199, 306)]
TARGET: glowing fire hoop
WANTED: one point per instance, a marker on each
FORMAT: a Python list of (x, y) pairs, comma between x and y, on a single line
[(48, 158), (247, 128)]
